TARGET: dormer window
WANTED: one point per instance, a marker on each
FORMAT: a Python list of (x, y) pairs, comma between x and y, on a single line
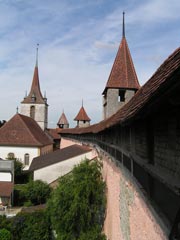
[(33, 97)]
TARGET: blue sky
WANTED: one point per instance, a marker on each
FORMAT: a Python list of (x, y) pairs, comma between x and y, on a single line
[(78, 43)]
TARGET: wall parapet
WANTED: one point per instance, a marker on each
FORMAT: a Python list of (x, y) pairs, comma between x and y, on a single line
[(153, 182)]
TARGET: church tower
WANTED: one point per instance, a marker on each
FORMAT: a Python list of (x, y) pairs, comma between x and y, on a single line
[(123, 82), (35, 105)]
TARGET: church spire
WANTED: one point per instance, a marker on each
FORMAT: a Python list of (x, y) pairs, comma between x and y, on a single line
[(37, 54), (35, 95), (123, 28)]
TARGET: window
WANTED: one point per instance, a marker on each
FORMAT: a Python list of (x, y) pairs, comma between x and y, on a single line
[(10, 155), (32, 112), (121, 96), (33, 98), (26, 159)]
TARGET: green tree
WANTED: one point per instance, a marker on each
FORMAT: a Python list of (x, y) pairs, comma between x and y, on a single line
[(31, 226), (37, 192), (77, 205), (5, 234), (21, 177), (5, 223)]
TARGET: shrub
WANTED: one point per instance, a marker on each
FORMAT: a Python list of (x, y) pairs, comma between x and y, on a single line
[(5, 234), (34, 225), (32, 193), (37, 192), (20, 194), (5, 223)]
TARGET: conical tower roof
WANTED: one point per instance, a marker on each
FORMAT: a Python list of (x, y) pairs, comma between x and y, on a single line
[(123, 74), (63, 120), (82, 115), (35, 94)]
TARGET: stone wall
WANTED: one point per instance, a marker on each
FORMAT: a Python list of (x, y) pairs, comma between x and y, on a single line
[(41, 113), (112, 102), (129, 216)]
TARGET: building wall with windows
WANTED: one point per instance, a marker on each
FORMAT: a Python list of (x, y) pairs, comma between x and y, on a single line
[(23, 154)]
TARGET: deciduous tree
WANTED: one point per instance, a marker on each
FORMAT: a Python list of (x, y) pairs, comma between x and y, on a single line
[(77, 205)]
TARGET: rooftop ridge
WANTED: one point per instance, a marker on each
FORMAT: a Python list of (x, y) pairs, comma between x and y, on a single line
[(21, 130), (22, 117)]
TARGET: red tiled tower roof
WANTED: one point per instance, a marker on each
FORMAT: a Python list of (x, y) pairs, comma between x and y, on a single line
[(63, 120), (82, 115), (123, 74), (35, 94), (165, 78), (23, 131)]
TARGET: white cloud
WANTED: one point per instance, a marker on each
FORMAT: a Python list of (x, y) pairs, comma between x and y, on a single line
[(77, 48)]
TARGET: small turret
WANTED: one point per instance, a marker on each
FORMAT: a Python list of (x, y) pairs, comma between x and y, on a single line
[(82, 118), (63, 122)]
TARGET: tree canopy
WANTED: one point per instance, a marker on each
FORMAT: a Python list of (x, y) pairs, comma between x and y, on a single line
[(37, 192), (5, 234), (27, 226), (77, 206)]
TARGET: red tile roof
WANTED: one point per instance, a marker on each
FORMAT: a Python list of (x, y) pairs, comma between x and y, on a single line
[(63, 120), (82, 115), (35, 90), (58, 156), (123, 74), (163, 77), (23, 131), (6, 189), (53, 132)]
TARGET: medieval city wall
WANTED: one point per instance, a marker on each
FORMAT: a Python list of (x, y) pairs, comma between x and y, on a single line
[(129, 215)]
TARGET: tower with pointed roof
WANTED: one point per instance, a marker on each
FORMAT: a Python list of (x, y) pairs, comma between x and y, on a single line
[(123, 82), (82, 118), (63, 122), (34, 104)]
